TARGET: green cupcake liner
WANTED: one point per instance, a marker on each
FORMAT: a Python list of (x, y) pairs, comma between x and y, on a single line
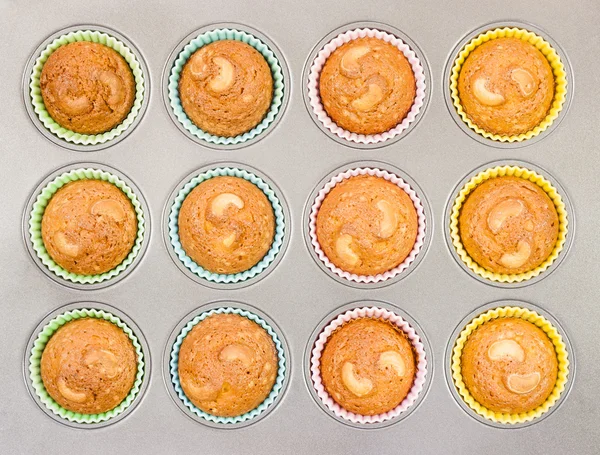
[(37, 213), (218, 35), (263, 263), (277, 387), (40, 107), (36, 357)]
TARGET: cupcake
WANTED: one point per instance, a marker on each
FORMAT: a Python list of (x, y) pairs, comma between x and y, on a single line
[(227, 365), (87, 87), (367, 86), (509, 365), (508, 225), (226, 88), (89, 227), (368, 366), (366, 225), (89, 366)]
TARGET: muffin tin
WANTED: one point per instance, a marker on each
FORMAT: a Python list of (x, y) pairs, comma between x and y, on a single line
[(297, 290)]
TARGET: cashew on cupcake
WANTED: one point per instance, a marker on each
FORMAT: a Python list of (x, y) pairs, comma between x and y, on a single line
[(508, 225), (226, 88), (367, 86)]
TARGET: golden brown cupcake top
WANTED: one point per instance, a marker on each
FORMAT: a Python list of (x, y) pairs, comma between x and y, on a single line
[(509, 365), (367, 86), (226, 225), (508, 225), (89, 366), (368, 366), (227, 365), (87, 87), (226, 88), (506, 86), (89, 227), (367, 225)]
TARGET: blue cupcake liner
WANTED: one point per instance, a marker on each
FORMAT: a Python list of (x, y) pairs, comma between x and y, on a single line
[(277, 387), (236, 277), (218, 35)]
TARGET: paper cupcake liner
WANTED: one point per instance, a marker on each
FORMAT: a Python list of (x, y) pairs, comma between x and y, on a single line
[(561, 353), (514, 171), (374, 313), (37, 213), (277, 387), (558, 69), (36, 358), (236, 277), (40, 107), (218, 35), (315, 97), (419, 242)]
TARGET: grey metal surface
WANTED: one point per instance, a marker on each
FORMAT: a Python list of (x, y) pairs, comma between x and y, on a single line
[(298, 294)]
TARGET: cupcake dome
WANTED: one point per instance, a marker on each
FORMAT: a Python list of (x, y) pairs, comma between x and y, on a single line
[(89, 366), (89, 227), (87, 87), (508, 225), (367, 86), (226, 88), (509, 365), (227, 365)]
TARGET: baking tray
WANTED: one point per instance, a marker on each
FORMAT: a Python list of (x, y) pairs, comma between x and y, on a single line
[(298, 294)]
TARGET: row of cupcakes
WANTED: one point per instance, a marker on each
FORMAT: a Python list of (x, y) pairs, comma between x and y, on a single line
[(366, 85), (227, 226), (367, 364)]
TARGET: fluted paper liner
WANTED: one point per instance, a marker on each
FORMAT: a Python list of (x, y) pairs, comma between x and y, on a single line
[(374, 313), (561, 354), (513, 171), (36, 358), (315, 97), (558, 69)]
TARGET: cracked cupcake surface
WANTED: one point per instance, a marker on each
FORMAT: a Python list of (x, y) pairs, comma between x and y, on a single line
[(226, 88), (367, 225), (509, 365), (506, 86), (508, 225), (87, 87), (89, 227), (367, 86), (227, 365), (368, 366), (89, 366)]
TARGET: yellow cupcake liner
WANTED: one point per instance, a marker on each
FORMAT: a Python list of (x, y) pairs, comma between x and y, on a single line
[(512, 171), (558, 69), (561, 355)]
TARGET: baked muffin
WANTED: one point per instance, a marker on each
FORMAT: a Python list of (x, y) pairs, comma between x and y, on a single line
[(89, 227), (368, 366), (509, 365), (367, 86), (367, 225), (226, 225), (508, 225), (87, 87), (227, 365), (89, 366), (226, 88), (506, 86)]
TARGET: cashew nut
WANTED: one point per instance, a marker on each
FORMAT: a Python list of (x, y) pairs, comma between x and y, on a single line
[(223, 200), (358, 386), (389, 222), (369, 99), (198, 65), (342, 247), (104, 360), (529, 225), (224, 79), (74, 105), (115, 86), (64, 245), (236, 351), (519, 257), (201, 393), (502, 211), (524, 80), (506, 350), (108, 207), (349, 63), (392, 359), (70, 394), (523, 383), (484, 95), (228, 240)]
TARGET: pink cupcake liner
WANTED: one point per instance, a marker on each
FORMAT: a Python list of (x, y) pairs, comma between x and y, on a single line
[(375, 313), (391, 178), (315, 73)]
